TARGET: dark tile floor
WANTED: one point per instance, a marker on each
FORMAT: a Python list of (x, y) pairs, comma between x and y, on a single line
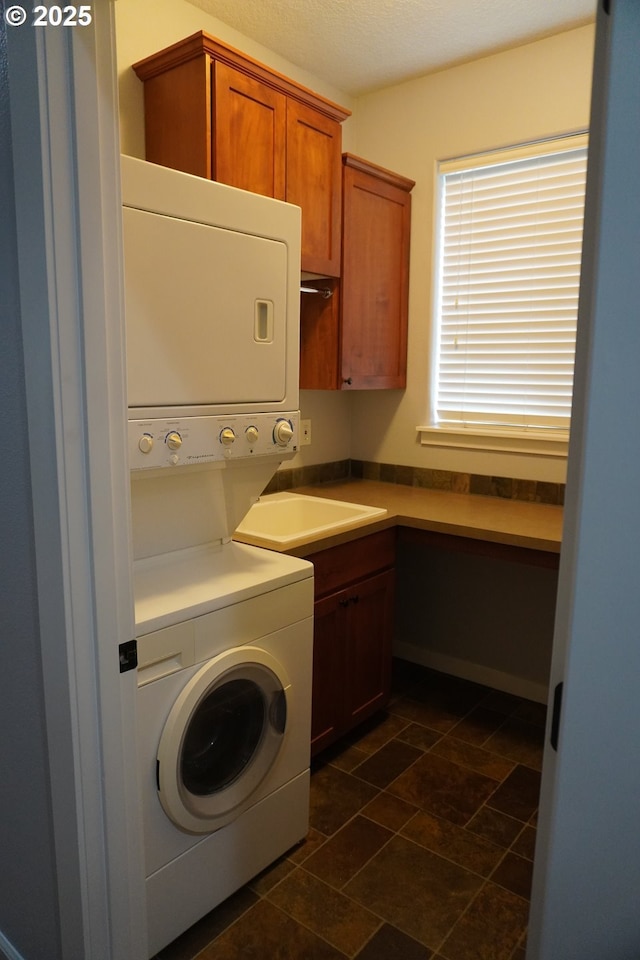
[(422, 831)]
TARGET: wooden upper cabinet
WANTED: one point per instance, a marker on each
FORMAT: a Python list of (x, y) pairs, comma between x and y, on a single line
[(177, 113), (357, 338), (375, 275), (212, 111)]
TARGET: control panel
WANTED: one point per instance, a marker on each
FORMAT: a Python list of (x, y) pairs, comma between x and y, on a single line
[(186, 441)]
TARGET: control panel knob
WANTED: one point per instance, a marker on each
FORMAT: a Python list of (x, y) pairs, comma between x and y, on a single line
[(227, 436), (145, 443), (282, 432), (251, 433), (174, 440)]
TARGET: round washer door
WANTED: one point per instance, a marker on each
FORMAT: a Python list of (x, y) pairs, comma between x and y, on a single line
[(221, 738)]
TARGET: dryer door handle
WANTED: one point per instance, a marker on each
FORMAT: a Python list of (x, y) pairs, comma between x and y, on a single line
[(278, 711)]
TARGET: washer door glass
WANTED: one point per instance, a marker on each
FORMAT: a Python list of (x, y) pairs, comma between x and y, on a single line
[(225, 732), (221, 738)]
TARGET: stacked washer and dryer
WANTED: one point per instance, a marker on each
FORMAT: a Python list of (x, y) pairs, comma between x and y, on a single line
[(224, 630)]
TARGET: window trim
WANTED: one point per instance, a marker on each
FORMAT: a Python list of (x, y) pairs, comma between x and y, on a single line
[(540, 443)]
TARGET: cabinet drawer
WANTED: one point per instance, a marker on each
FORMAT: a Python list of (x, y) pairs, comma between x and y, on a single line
[(338, 566)]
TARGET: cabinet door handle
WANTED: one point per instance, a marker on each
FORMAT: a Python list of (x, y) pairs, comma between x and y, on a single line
[(348, 380), (346, 601)]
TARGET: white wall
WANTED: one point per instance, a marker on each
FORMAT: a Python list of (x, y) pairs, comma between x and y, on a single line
[(527, 93)]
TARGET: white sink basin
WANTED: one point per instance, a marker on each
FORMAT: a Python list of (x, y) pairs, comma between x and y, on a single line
[(285, 517)]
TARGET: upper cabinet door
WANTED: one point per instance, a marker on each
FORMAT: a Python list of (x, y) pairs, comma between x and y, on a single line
[(375, 276), (313, 183), (249, 133)]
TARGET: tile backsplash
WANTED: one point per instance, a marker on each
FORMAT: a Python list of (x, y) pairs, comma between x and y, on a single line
[(535, 491)]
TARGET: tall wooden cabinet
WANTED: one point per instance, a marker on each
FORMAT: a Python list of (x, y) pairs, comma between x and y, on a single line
[(212, 111), (353, 631), (357, 338)]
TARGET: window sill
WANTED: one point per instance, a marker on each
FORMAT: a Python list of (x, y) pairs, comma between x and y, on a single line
[(521, 442)]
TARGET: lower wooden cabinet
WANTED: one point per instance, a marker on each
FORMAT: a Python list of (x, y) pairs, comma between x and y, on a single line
[(353, 632)]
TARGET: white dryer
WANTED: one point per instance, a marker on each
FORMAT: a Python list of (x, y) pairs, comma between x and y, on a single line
[(223, 723)]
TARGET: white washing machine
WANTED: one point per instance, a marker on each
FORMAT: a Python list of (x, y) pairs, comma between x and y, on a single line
[(224, 687)]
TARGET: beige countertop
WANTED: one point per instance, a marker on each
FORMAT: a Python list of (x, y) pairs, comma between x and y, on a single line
[(516, 523)]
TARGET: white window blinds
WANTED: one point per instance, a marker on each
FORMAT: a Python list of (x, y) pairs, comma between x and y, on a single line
[(510, 251)]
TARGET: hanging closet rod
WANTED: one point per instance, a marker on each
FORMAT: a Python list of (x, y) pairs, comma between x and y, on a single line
[(323, 291)]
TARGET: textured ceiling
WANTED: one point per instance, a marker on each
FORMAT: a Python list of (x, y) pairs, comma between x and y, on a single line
[(364, 45)]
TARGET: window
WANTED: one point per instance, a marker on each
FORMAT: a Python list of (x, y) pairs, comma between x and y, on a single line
[(510, 242)]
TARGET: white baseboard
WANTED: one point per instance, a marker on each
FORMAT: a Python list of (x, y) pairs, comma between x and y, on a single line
[(506, 682)]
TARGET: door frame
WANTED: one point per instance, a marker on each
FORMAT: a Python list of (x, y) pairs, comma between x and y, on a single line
[(587, 860), (64, 116)]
